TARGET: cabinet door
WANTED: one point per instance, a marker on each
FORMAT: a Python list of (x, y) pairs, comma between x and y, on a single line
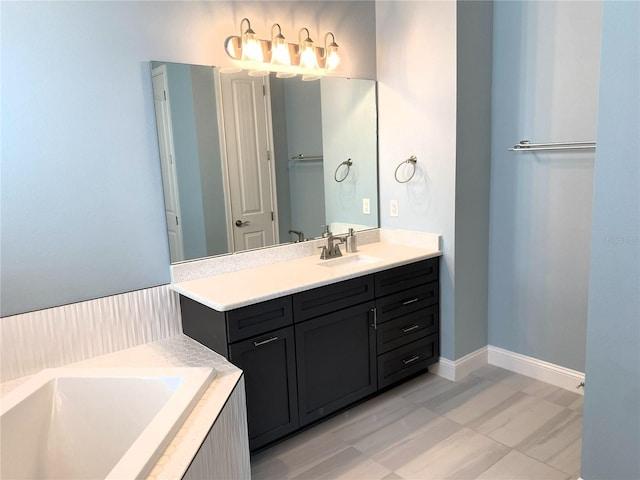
[(336, 359), (269, 367)]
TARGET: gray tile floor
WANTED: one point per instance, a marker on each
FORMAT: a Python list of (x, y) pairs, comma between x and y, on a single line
[(492, 425)]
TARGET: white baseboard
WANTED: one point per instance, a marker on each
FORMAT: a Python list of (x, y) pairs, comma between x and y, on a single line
[(539, 369), (531, 367), (455, 370), (445, 368)]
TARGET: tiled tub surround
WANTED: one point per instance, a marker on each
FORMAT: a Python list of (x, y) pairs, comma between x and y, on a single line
[(221, 406), (57, 336), (230, 285)]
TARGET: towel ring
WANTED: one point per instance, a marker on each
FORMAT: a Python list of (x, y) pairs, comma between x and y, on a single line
[(412, 160), (348, 163)]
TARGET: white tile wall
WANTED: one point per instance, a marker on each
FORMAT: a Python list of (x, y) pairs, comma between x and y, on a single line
[(57, 336)]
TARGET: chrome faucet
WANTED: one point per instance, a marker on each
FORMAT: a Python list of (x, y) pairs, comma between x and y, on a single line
[(332, 249), (299, 233)]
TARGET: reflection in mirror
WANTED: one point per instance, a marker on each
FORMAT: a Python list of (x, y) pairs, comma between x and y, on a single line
[(250, 162)]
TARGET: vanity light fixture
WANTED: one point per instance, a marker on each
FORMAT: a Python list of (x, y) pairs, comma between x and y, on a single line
[(276, 55)]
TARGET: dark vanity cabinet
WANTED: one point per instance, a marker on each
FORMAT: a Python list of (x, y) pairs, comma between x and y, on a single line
[(259, 339), (312, 353)]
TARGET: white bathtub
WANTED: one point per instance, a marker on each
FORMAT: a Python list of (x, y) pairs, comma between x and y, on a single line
[(106, 423)]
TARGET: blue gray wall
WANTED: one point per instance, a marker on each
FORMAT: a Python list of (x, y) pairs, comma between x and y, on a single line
[(82, 204), (545, 87), (304, 137), (350, 130), (209, 159), (185, 146), (473, 166), (611, 432)]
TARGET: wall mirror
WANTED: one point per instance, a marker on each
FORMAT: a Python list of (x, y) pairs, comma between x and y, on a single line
[(255, 161)]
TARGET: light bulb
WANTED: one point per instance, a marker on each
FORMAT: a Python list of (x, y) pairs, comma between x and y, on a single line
[(333, 59), (251, 48), (331, 55), (308, 56)]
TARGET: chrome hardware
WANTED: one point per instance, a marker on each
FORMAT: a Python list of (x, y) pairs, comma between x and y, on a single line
[(409, 302), (299, 233), (332, 250), (375, 318), (348, 162), (527, 146), (412, 160), (240, 223), (411, 360), (410, 329), (268, 340)]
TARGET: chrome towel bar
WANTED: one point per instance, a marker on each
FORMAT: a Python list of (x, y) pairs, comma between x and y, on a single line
[(306, 158), (527, 146)]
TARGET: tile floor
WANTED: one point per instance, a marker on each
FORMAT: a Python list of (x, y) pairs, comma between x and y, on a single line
[(492, 425)]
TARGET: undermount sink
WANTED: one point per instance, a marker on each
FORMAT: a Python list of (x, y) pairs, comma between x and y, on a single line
[(349, 261)]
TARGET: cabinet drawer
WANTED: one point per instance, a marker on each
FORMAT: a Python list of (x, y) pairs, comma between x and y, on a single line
[(405, 361), (407, 276), (331, 298), (257, 319), (403, 330), (408, 301)]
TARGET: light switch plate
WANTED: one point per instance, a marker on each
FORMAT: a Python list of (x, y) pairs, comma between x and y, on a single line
[(393, 208), (366, 206)]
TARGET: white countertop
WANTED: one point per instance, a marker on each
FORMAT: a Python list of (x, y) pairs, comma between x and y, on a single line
[(238, 289)]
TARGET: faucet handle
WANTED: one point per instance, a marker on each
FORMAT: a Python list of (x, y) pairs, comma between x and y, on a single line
[(323, 255)]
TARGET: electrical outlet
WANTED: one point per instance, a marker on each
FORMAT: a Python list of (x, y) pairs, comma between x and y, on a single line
[(393, 208), (366, 206)]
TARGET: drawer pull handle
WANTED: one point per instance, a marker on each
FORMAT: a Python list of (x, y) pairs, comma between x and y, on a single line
[(268, 340), (411, 360), (410, 329), (409, 302)]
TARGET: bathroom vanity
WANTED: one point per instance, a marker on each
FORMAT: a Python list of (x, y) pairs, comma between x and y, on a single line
[(311, 347)]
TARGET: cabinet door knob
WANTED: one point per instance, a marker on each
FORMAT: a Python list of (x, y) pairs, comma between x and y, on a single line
[(264, 342)]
